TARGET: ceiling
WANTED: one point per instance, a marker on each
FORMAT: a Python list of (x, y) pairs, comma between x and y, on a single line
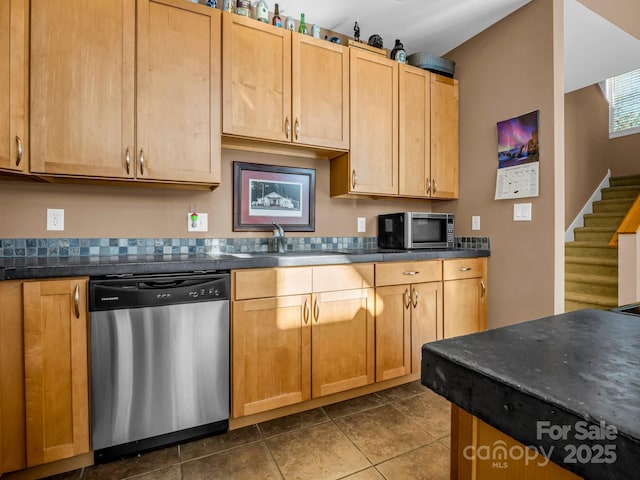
[(595, 49)]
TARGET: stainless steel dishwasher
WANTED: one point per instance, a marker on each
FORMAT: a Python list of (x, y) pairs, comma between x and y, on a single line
[(159, 361)]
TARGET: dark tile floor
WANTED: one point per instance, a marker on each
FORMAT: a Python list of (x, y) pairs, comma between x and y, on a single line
[(400, 433)]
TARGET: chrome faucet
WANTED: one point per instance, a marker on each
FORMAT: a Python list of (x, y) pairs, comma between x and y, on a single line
[(279, 238)]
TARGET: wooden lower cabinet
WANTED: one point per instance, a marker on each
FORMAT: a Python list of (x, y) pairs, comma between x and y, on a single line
[(290, 348), (44, 389), (465, 296)]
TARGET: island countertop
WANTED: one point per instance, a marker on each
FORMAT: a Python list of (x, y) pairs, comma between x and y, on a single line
[(578, 371)]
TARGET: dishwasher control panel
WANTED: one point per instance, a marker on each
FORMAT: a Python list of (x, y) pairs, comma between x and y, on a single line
[(156, 290)]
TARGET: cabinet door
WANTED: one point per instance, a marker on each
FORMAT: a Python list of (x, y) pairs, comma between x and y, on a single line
[(256, 79), (320, 92), (178, 92), (12, 403), (14, 18), (414, 131), (426, 319), (342, 341), (393, 332), (465, 307), (271, 357), (82, 87), (374, 123), (444, 137), (56, 364)]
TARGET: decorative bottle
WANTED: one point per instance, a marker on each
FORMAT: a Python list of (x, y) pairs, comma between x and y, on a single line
[(303, 26), (398, 53), (276, 20), (228, 5), (262, 11), (243, 7)]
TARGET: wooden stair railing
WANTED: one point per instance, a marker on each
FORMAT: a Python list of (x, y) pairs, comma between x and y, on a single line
[(630, 224)]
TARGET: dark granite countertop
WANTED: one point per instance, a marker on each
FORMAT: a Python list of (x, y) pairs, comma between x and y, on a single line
[(48, 267), (581, 366)]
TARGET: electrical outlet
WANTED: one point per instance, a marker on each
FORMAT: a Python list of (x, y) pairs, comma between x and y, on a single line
[(475, 222), (521, 212), (55, 219), (362, 224), (197, 222)]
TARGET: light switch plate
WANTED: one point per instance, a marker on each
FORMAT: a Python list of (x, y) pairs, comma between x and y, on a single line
[(362, 224), (200, 222), (55, 219), (521, 212), (475, 222)]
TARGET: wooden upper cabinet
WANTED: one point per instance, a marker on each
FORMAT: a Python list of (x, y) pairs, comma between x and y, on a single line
[(414, 131), (178, 92), (374, 124), (256, 79), (14, 42), (56, 369), (444, 137), (82, 87), (320, 92)]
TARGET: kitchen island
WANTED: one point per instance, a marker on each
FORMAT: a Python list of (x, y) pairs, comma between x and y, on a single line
[(566, 386)]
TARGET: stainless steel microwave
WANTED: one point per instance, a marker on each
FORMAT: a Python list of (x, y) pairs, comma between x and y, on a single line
[(416, 230)]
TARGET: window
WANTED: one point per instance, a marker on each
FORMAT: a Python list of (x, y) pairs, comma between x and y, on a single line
[(623, 93)]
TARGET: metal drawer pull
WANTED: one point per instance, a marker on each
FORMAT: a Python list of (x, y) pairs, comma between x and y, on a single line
[(287, 127), (141, 161), (410, 273), (76, 300), (435, 185), (20, 151), (407, 298), (354, 179), (306, 311), (127, 160), (316, 309), (415, 298), (428, 186), (483, 289), (297, 129), (464, 269)]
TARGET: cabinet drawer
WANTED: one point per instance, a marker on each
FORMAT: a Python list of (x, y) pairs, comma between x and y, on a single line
[(464, 268), (342, 277), (400, 273), (271, 282)]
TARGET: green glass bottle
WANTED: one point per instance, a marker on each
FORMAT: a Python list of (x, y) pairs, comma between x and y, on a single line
[(303, 26)]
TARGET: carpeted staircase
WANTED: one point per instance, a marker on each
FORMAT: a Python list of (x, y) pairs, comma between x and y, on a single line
[(591, 265)]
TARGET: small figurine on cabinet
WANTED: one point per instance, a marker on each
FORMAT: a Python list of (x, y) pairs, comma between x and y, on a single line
[(398, 53), (375, 40), (356, 31)]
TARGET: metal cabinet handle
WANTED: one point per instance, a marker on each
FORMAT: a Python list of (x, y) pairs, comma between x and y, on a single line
[(287, 127), (464, 269), (316, 310), (428, 187), (141, 160), (435, 186), (297, 128), (306, 311), (483, 289), (20, 151), (407, 298), (411, 272), (415, 298), (127, 160), (354, 178), (76, 300)]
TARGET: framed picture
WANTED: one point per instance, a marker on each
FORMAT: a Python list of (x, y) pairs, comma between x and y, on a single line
[(263, 194)]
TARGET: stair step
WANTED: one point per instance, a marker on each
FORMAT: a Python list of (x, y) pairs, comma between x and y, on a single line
[(618, 205), (576, 301), (593, 266), (624, 180), (590, 249), (604, 285), (622, 192), (603, 220), (594, 234)]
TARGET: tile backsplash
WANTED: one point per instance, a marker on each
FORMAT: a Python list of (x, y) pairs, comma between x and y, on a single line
[(71, 247)]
